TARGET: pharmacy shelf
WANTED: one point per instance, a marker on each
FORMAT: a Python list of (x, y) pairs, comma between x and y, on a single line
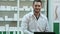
[(8, 11), (27, 0), (8, 0), (10, 29), (1, 20), (7, 28), (8, 20), (3, 28)]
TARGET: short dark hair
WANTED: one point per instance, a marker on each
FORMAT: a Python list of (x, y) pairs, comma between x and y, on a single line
[(37, 1)]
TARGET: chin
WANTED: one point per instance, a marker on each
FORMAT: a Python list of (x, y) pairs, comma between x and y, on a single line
[(37, 11)]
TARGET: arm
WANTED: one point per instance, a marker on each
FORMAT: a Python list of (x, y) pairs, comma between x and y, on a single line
[(47, 29), (25, 26)]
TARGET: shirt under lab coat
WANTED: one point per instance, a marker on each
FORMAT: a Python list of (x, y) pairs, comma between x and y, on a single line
[(30, 24)]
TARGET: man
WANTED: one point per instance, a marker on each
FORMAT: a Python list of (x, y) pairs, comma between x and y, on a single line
[(35, 21)]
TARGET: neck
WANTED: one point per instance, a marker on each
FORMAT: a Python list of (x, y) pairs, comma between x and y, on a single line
[(36, 14)]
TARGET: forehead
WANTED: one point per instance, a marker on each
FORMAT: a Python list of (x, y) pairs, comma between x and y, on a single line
[(37, 3)]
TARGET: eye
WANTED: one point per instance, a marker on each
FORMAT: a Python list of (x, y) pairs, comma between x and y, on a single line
[(35, 5), (38, 5)]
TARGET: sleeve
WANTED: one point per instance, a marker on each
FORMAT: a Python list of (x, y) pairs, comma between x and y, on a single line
[(47, 27), (24, 25)]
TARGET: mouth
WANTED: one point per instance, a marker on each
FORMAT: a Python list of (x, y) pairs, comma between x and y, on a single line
[(37, 10)]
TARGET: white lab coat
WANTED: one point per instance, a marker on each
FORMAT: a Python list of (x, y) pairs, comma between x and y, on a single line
[(30, 24)]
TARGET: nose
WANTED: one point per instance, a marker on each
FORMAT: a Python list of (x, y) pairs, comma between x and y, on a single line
[(37, 7)]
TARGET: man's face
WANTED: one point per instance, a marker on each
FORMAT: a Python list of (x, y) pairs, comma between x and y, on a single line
[(37, 7)]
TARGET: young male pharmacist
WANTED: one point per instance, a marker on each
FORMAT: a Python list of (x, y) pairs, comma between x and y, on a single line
[(35, 21)]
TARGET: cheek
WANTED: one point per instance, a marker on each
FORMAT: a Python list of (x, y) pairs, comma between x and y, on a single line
[(40, 7)]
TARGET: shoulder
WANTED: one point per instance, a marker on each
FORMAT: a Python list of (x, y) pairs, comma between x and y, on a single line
[(44, 17), (28, 15)]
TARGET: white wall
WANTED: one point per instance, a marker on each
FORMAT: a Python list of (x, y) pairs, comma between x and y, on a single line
[(52, 6), (50, 14)]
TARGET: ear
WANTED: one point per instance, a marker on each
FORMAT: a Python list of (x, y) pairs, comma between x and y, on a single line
[(32, 6)]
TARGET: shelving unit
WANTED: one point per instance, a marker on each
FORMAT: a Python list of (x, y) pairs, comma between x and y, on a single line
[(9, 17), (8, 12)]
